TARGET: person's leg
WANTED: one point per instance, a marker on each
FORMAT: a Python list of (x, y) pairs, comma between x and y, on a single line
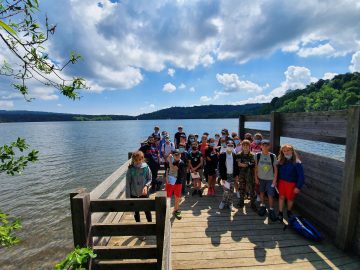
[(242, 189), (281, 203), (137, 216), (148, 216)]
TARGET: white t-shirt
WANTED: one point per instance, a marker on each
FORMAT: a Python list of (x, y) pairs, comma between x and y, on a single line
[(168, 148), (229, 163)]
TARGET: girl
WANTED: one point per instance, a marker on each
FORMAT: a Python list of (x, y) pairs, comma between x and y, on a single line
[(237, 142), (211, 156), (138, 181), (195, 163), (291, 178), (255, 146)]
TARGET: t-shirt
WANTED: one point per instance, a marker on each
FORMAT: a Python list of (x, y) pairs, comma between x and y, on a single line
[(229, 163), (212, 163), (180, 174), (245, 158), (203, 148), (177, 137), (166, 149), (150, 153), (264, 168), (255, 148), (194, 158)]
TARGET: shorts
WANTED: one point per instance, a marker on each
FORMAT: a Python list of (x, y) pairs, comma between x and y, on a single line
[(176, 189), (286, 189), (265, 186)]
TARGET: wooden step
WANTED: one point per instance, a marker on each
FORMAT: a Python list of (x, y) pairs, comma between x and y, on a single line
[(125, 252), (118, 265), (109, 229)]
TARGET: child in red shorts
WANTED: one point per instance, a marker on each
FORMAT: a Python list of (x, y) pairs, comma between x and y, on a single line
[(175, 176), (291, 178)]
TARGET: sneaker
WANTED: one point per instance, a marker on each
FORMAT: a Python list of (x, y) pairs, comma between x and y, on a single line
[(289, 214), (221, 205), (262, 211), (194, 192), (272, 215), (241, 203), (280, 216), (232, 208), (238, 194), (177, 214), (200, 192)]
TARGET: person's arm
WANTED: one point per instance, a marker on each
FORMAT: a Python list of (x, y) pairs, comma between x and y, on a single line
[(276, 170), (200, 164), (128, 181), (256, 173), (300, 177)]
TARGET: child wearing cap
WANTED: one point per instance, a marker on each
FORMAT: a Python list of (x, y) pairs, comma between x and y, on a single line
[(175, 176), (291, 178), (255, 146), (266, 173), (229, 173), (246, 163)]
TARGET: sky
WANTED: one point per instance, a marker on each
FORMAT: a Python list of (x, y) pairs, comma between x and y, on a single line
[(143, 56)]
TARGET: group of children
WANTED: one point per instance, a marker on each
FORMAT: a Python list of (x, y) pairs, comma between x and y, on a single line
[(245, 168)]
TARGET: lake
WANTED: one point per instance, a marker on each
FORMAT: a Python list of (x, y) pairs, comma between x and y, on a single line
[(82, 154)]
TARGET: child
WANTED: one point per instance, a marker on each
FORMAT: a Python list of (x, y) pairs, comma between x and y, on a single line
[(255, 146), (166, 150), (184, 158), (291, 178), (248, 137), (175, 176), (229, 173), (178, 135), (195, 163), (237, 142), (222, 143), (246, 162), (138, 181), (266, 176), (217, 139), (211, 156)]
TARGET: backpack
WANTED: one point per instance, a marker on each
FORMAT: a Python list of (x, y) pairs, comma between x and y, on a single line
[(272, 157), (305, 228)]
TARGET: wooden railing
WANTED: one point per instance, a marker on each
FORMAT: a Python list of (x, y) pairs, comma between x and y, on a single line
[(98, 215), (331, 192)]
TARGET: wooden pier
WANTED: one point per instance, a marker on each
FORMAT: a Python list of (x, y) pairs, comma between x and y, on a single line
[(207, 238)]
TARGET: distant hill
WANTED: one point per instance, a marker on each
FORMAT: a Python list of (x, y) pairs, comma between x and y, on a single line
[(203, 112), (324, 95), (33, 116)]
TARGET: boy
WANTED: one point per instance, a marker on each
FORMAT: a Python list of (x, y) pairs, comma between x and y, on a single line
[(178, 135), (229, 173), (195, 163), (266, 176), (175, 176), (246, 162)]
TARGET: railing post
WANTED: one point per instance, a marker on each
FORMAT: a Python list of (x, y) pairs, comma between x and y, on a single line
[(80, 215), (160, 210), (242, 127), (348, 211), (275, 132)]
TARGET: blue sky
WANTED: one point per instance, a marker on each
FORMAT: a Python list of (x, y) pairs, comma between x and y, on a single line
[(142, 56)]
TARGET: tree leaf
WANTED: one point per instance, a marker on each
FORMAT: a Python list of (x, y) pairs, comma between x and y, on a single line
[(7, 28)]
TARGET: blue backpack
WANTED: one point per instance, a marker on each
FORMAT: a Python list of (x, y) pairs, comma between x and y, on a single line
[(305, 228)]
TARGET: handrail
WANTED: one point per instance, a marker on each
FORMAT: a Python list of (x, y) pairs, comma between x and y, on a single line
[(166, 254)]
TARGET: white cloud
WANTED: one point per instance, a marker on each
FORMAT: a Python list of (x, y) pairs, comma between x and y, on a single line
[(295, 78), (152, 106), (6, 104), (207, 60), (171, 72), (329, 75), (182, 86), (218, 94), (43, 93), (355, 62), (325, 49), (59, 105), (232, 83), (205, 99), (192, 89), (169, 87)]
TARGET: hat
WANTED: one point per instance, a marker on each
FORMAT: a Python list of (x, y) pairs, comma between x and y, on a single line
[(183, 136), (176, 152), (180, 127), (230, 142), (265, 142)]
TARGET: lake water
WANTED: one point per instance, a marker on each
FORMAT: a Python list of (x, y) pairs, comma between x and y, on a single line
[(82, 154)]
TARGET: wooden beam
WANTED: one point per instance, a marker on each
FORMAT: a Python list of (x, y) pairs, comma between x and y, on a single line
[(160, 206), (265, 133), (257, 118), (111, 265), (125, 252), (81, 218), (275, 132), (348, 213), (123, 205), (108, 182), (111, 229), (242, 127)]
